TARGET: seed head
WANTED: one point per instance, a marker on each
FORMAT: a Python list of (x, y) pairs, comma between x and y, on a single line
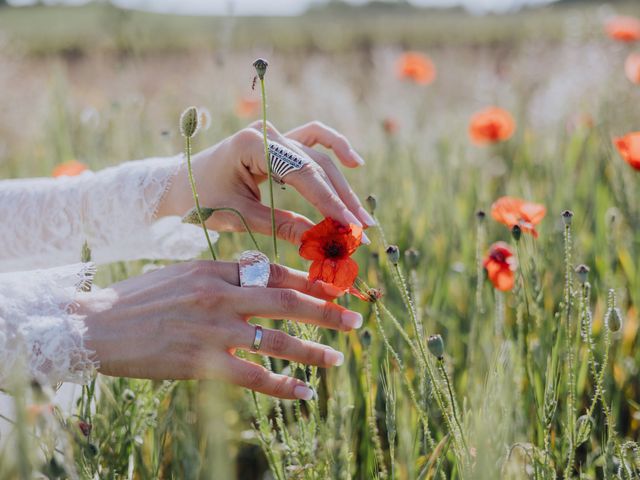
[(481, 215), (436, 346), (615, 320), (128, 395), (372, 203), (582, 271), (567, 217), (412, 257), (393, 254), (189, 122), (365, 338), (261, 67), (516, 232)]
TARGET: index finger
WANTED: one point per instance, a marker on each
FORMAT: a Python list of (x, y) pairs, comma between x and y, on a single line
[(315, 132)]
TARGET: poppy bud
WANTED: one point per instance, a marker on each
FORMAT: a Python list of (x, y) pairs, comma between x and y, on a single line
[(436, 346), (412, 257), (516, 232), (615, 320), (261, 67), (92, 449), (189, 122), (192, 215), (365, 338), (85, 428), (128, 395), (393, 254), (567, 217), (371, 203), (582, 271), (480, 215)]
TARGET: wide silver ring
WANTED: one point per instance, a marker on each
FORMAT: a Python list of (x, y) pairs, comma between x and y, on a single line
[(257, 340), (254, 269), (283, 161)]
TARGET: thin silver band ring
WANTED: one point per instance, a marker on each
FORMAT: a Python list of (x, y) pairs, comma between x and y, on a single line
[(257, 340)]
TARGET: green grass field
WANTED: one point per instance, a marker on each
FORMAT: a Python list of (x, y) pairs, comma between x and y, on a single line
[(533, 384)]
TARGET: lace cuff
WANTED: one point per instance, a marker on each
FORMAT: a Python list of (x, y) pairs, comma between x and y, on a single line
[(46, 221), (39, 332)]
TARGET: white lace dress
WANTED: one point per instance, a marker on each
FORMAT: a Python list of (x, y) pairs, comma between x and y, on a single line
[(43, 226)]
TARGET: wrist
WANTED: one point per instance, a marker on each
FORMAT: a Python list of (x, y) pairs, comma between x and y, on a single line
[(177, 198)]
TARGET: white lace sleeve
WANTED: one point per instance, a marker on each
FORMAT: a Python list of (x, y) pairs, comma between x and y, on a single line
[(44, 222), (39, 332)]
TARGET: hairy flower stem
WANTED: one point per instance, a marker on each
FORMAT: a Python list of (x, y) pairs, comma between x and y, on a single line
[(569, 351), (263, 425), (244, 222), (195, 195), (473, 331), (269, 170), (372, 421), (452, 400)]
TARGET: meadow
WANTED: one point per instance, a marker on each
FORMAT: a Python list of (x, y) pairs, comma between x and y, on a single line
[(539, 381)]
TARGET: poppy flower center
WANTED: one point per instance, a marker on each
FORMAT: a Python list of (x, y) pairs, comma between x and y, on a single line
[(498, 257), (333, 249)]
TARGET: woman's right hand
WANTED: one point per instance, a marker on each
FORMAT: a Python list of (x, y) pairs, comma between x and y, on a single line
[(185, 321)]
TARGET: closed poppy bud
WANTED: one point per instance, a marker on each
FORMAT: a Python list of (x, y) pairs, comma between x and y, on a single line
[(615, 320), (128, 395), (567, 217), (192, 215), (436, 346), (516, 232), (92, 449), (365, 338), (481, 215), (412, 257), (372, 203), (85, 428), (393, 254), (189, 122), (582, 271), (261, 67)]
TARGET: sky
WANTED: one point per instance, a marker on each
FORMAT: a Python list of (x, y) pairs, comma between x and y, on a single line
[(286, 7)]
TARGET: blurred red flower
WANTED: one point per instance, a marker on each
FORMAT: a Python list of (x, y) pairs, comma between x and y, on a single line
[(500, 264), (629, 148), (390, 126), (416, 67), (632, 68), (623, 29), (491, 125), (515, 211), (70, 168), (330, 245), (247, 107)]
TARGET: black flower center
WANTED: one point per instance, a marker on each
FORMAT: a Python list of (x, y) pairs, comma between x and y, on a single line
[(333, 249)]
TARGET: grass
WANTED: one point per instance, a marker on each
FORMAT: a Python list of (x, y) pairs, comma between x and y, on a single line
[(518, 386)]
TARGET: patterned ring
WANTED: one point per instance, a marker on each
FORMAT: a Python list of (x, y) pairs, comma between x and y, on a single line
[(254, 269), (257, 340), (283, 161)]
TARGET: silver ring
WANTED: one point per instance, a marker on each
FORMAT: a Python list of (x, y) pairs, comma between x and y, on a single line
[(257, 340), (283, 161), (254, 269)]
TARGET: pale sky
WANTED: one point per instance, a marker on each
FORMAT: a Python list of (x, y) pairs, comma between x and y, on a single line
[(286, 7)]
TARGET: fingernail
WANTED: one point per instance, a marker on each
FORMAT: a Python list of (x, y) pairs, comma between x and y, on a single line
[(368, 219), (365, 239), (351, 218), (351, 319), (303, 393), (356, 157), (331, 290), (333, 357)]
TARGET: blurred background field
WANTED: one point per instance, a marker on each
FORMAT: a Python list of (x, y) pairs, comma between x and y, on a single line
[(103, 85)]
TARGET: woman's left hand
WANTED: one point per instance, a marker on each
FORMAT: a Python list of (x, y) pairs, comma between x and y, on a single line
[(228, 175)]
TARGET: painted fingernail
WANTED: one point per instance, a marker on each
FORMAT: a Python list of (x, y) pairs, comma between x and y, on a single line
[(368, 219), (356, 157), (365, 239), (333, 357), (303, 392), (351, 218), (351, 319)]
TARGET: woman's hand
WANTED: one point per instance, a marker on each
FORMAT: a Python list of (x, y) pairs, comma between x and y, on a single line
[(185, 321), (228, 175)]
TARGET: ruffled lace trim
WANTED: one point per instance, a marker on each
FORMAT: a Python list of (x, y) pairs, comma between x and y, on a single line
[(40, 333)]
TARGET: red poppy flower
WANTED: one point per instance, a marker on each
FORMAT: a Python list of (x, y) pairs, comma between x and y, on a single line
[(69, 169), (515, 211), (629, 148), (632, 68), (623, 29), (416, 67), (247, 107), (491, 125), (330, 245), (500, 264)]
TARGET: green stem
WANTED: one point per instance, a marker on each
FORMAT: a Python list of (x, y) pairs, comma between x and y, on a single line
[(269, 172), (195, 196), (244, 222)]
